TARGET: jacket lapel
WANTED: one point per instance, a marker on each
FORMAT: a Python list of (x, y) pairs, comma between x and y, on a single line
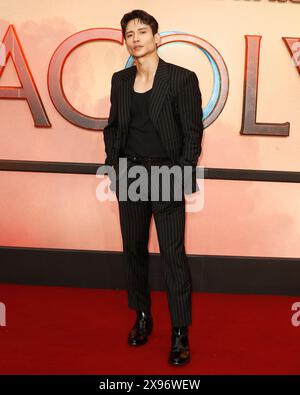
[(158, 94)]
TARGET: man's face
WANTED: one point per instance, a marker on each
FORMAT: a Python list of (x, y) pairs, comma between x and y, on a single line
[(139, 39)]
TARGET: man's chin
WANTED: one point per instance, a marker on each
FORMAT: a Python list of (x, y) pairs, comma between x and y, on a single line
[(140, 54)]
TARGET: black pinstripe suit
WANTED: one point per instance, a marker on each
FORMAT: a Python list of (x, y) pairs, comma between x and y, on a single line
[(176, 112)]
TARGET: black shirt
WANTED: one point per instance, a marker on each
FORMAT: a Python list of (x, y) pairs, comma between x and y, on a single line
[(143, 139)]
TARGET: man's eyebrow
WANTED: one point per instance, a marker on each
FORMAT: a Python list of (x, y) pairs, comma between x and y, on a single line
[(141, 28)]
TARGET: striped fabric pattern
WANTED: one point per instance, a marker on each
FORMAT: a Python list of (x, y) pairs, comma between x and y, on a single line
[(175, 110)]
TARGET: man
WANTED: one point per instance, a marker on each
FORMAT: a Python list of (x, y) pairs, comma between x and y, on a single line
[(155, 119)]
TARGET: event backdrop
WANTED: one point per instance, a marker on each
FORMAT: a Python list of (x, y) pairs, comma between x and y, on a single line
[(62, 54)]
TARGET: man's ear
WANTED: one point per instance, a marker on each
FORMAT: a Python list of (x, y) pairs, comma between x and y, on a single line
[(157, 38)]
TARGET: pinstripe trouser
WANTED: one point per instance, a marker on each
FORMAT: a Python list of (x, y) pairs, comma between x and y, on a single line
[(169, 217)]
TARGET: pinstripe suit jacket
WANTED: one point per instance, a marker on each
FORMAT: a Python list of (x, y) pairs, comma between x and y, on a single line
[(175, 108)]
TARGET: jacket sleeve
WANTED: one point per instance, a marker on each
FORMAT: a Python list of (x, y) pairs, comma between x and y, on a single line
[(190, 113), (110, 130)]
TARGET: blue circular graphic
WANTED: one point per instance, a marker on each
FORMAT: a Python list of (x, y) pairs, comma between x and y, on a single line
[(216, 75)]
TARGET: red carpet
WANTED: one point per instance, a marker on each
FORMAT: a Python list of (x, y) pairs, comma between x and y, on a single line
[(58, 330)]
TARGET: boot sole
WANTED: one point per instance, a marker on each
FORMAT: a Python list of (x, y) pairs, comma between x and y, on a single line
[(179, 363)]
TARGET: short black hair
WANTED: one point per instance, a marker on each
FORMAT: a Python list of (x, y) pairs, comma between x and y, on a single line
[(143, 16)]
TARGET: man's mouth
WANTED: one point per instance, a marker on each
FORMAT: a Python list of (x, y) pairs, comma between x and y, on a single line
[(138, 47)]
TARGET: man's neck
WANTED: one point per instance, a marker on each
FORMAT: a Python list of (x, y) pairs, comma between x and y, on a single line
[(146, 66)]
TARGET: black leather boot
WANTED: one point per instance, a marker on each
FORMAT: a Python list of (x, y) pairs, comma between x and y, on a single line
[(141, 329), (180, 349)]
